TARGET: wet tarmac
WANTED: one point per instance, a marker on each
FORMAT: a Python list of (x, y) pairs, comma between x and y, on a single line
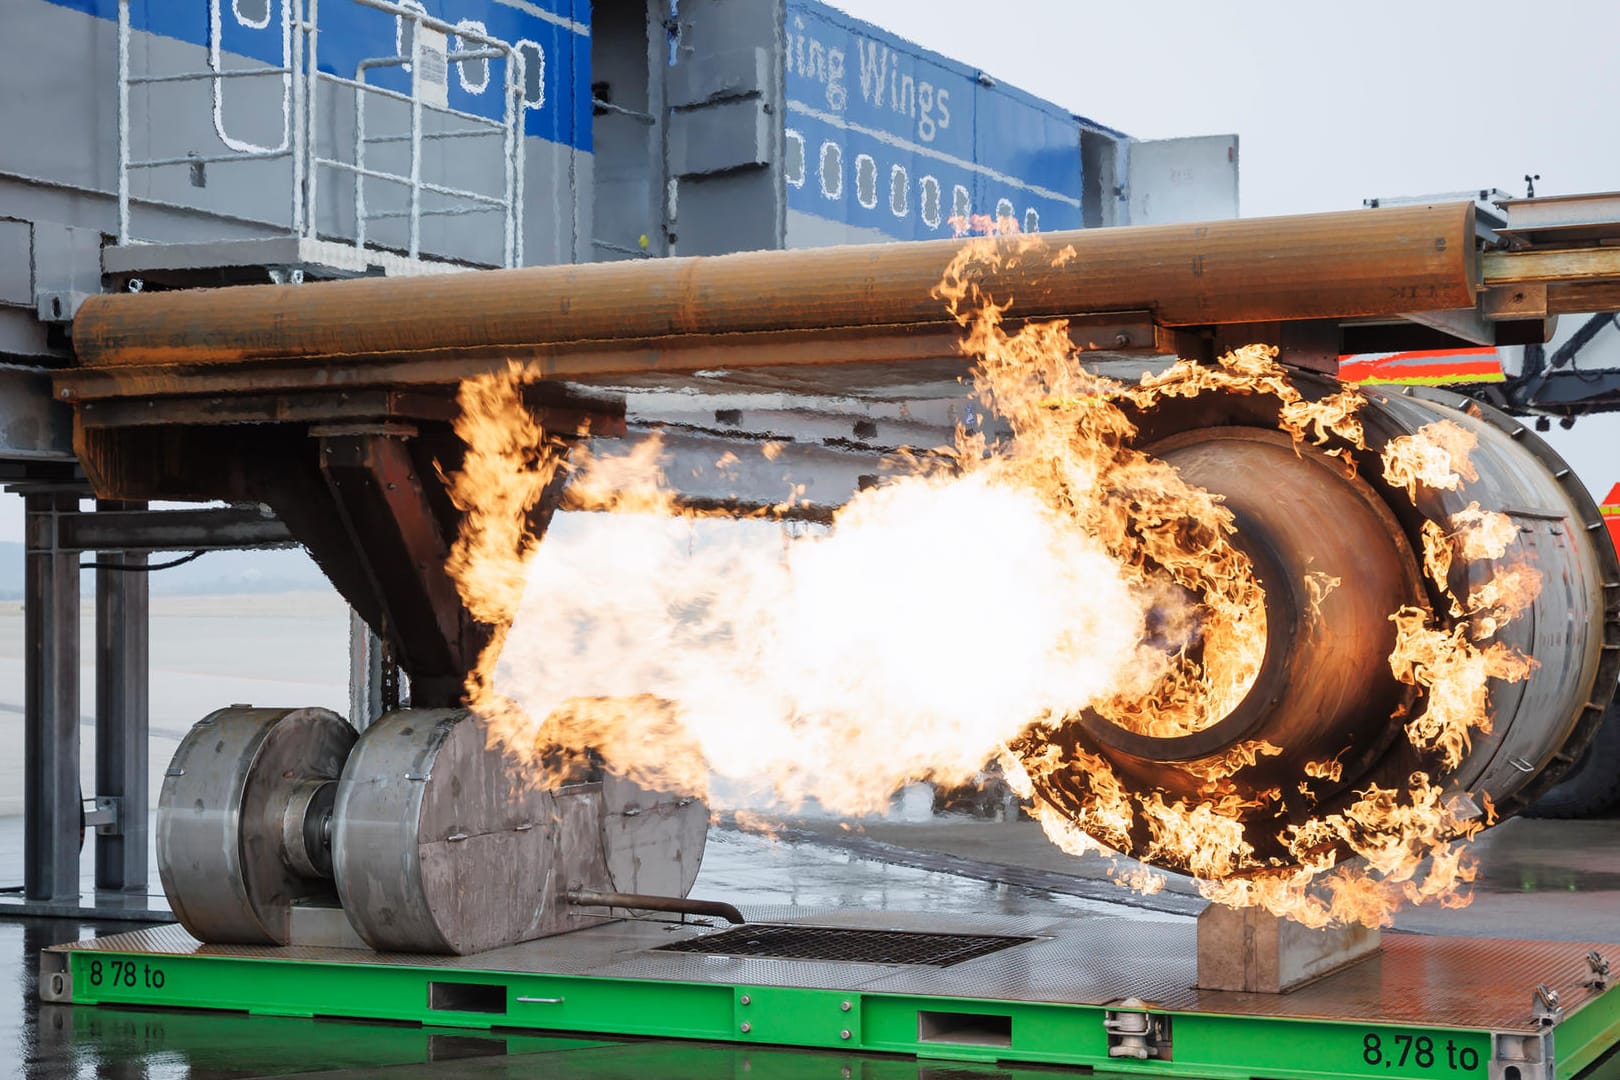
[(1538, 879)]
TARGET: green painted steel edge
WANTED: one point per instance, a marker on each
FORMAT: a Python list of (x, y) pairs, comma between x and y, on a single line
[(1587, 1033), (1204, 1045)]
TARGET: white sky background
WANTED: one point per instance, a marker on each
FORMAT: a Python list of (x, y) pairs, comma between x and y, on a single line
[(1332, 102)]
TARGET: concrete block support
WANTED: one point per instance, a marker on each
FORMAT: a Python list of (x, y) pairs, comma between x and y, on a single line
[(1255, 951)]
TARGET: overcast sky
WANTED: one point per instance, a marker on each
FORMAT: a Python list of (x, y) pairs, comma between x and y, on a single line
[(1332, 102)]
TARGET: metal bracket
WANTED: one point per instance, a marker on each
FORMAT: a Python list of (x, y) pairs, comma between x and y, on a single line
[(55, 981), (1599, 968), (1135, 1033), (1517, 1056), (1545, 1008), (105, 814), (58, 306)]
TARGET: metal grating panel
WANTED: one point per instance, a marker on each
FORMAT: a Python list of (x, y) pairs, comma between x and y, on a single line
[(824, 943)]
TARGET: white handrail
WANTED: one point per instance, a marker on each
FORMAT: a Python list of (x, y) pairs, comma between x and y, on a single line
[(300, 77)]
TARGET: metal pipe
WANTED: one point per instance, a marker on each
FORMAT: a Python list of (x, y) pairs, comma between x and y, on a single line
[(312, 129), (1318, 266), (415, 247), (123, 122), (639, 902)]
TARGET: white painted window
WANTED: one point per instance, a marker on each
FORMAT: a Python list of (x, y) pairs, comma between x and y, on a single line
[(899, 191), (534, 73), (832, 170), (961, 203), (866, 180), (1032, 220), (1004, 209), (252, 13), (474, 74), (793, 159), (930, 202)]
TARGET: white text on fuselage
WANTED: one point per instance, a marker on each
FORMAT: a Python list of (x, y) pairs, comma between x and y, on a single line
[(881, 83)]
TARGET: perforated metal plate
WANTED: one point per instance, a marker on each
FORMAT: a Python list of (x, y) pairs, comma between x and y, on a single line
[(852, 945)]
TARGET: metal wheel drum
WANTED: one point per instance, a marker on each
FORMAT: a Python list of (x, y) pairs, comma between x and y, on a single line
[(1325, 689), (443, 845), (240, 838), (652, 841)]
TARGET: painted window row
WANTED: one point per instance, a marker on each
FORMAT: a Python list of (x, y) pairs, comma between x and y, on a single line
[(829, 176), (473, 74)]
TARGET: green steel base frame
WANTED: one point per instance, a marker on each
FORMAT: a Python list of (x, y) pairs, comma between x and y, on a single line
[(1093, 992)]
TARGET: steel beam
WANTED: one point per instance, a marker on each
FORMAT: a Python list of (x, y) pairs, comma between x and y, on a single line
[(1321, 266), (366, 681), (51, 703), (122, 702), (126, 528), (385, 501)]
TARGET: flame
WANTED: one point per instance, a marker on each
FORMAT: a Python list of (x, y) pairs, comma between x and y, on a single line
[(1233, 760), (1435, 456), (969, 611), (1139, 879), (1454, 671), (510, 464), (834, 671), (1330, 770)]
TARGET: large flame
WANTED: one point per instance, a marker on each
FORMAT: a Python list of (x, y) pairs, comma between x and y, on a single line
[(949, 613)]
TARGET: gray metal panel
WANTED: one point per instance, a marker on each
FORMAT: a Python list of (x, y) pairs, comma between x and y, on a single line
[(16, 263), (629, 56), (67, 259), (808, 231), (1176, 180), (742, 208), (717, 138), (33, 425), (734, 74)]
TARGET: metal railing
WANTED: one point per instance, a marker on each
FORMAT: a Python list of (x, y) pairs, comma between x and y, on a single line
[(301, 82)]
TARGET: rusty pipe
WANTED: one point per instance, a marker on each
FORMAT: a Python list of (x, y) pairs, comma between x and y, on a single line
[(679, 905), (1336, 265)]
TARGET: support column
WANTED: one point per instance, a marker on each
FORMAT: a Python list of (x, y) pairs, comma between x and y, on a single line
[(122, 713), (51, 703), (366, 702)]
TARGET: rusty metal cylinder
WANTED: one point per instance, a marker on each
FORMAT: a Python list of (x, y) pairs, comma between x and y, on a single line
[(1326, 691), (1313, 266)]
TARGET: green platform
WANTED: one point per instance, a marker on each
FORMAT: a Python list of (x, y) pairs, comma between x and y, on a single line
[(1057, 993)]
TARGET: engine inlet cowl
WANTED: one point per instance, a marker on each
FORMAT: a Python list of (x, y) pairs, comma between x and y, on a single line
[(1330, 717)]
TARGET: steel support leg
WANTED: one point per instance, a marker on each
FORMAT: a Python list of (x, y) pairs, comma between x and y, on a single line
[(122, 703), (365, 673), (51, 704)]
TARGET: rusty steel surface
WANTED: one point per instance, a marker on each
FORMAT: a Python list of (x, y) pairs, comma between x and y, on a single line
[(600, 319)]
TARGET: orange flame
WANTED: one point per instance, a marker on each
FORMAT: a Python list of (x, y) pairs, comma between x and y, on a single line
[(839, 666), (1436, 456)]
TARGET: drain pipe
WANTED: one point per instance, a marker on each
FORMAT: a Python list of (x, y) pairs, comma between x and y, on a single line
[(641, 902)]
